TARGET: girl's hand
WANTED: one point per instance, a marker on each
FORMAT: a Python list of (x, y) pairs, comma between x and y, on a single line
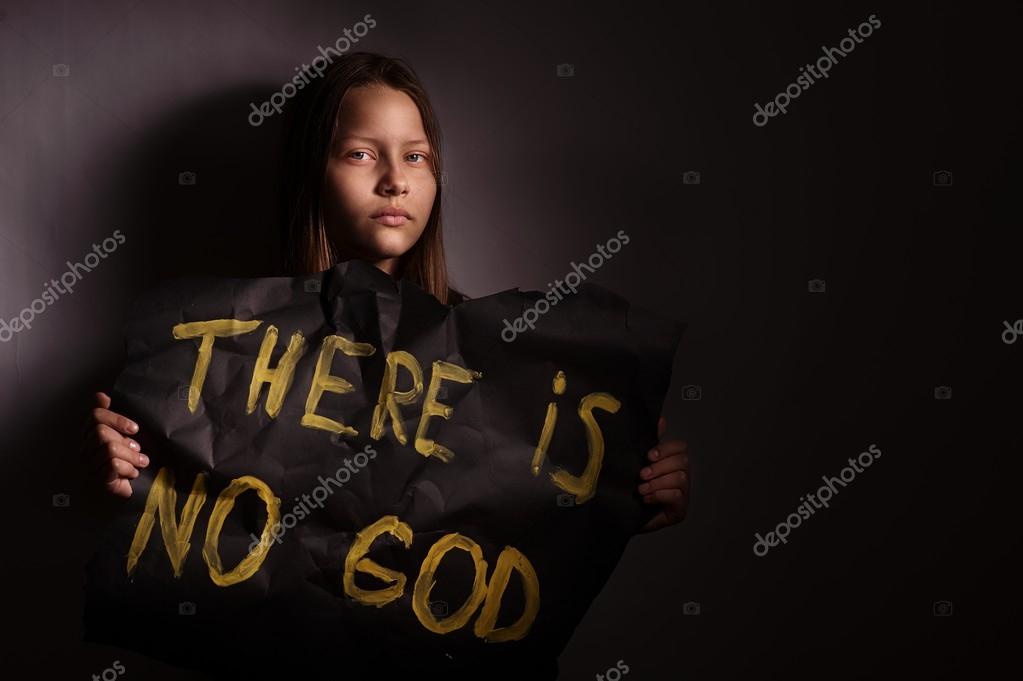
[(115, 457), (666, 481)]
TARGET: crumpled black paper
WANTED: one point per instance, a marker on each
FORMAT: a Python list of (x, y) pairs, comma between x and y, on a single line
[(293, 614)]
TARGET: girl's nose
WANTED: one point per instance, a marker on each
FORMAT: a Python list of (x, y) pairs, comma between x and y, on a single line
[(396, 188), (394, 183)]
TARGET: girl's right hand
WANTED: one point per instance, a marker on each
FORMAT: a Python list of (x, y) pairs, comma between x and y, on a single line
[(116, 456)]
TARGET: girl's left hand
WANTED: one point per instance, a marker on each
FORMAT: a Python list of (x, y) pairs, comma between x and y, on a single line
[(666, 481)]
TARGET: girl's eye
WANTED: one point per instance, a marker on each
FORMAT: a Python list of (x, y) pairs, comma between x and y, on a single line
[(421, 157)]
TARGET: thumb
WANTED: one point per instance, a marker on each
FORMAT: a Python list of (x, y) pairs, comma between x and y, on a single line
[(102, 400), (658, 522)]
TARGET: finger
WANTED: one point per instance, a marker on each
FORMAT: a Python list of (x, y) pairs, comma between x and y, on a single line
[(105, 435), (119, 487), (658, 522), (119, 468), (102, 434), (101, 401), (679, 462), (118, 451), (673, 506), (94, 446), (662, 425), (121, 424), (669, 448), (664, 497), (676, 480), (113, 470), (664, 518)]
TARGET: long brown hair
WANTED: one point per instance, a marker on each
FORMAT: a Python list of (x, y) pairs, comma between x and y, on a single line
[(307, 248)]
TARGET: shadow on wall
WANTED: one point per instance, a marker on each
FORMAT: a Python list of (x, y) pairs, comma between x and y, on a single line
[(206, 193), (200, 195)]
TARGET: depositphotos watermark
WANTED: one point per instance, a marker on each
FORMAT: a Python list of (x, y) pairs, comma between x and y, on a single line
[(318, 64), (110, 673), (808, 74), (55, 288), (1012, 331), (556, 294), (318, 496), (614, 673), (805, 510)]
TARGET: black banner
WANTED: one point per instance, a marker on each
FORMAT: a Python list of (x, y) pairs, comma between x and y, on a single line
[(348, 476)]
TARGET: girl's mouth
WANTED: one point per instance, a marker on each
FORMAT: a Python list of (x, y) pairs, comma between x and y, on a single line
[(391, 220)]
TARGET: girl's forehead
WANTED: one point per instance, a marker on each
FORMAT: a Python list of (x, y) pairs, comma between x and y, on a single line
[(366, 105), (374, 110)]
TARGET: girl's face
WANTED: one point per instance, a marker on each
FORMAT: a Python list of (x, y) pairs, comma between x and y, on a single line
[(381, 160)]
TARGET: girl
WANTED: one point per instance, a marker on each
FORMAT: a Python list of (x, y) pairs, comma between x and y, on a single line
[(362, 182)]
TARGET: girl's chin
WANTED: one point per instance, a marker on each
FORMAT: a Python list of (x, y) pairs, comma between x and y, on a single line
[(390, 242)]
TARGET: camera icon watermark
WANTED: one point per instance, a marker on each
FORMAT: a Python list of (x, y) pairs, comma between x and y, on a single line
[(442, 178), (692, 392), (816, 286), (61, 500), (186, 178), (311, 285), (942, 178), (691, 608), (61, 70), (691, 177), (943, 392), (439, 608), (942, 608), (565, 70), (186, 608), (184, 391), (566, 500)]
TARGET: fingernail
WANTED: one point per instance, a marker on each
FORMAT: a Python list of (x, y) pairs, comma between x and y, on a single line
[(645, 472), (143, 459), (134, 445), (133, 427), (644, 488), (655, 454)]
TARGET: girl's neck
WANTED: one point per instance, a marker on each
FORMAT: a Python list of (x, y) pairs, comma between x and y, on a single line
[(387, 265)]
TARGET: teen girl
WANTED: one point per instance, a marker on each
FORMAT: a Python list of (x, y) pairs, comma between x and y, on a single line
[(362, 183)]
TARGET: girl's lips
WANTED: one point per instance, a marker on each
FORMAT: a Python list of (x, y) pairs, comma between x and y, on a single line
[(391, 220)]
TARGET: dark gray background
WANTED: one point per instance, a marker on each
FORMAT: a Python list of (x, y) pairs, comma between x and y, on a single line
[(919, 279)]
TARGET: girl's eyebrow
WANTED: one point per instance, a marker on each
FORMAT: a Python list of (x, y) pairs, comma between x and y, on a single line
[(376, 141)]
